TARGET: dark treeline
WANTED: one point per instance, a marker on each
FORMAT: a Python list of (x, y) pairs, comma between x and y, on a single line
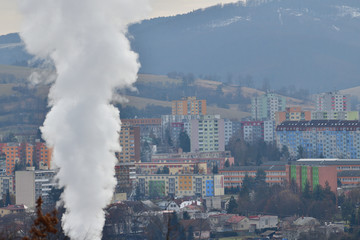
[(256, 197), (255, 153)]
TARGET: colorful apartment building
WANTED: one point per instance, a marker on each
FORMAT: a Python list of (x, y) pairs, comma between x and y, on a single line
[(207, 134), (292, 114), (13, 154), (211, 159), (189, 106), (265, 106), (333, 101), (130, 144), (161, 185), (320, 138), (43, 155), (174, 168), (335, 115), (302, 174)]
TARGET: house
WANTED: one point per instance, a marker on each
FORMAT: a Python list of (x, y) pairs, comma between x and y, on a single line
[(11, 209), (217, 221), (238, 223), (169, 206), (200, 227), (262, 222)]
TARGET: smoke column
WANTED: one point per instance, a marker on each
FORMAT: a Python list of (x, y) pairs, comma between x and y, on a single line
[(86, 41)]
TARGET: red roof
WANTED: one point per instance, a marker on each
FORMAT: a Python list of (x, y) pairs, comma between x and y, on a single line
[(14, 207), (235, 219)]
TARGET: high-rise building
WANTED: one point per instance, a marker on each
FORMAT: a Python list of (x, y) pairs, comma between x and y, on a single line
[(31, 184), (207, 134), (334, 115), (265, 106), (320, 138), (253, 131), (292, 114), (130, 144), (189, 106), (333, 101)]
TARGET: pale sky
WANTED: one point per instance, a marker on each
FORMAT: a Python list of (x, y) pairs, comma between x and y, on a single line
[(10, 18)]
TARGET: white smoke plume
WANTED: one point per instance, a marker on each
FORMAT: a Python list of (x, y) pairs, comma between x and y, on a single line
[(86, 40)]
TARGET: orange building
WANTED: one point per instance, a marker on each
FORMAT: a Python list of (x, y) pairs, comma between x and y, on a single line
[(43, 155), (189, 106), (130, 144), (292, 114), (13, 153), (185, 183)]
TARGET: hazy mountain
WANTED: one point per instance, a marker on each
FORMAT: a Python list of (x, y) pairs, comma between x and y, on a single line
[(308, 43), (12, 51)]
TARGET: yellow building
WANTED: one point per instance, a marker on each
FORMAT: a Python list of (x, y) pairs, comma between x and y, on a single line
[(189, 106)]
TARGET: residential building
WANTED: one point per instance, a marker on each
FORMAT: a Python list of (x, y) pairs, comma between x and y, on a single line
[(147, 126), (292, 114), (43, 154), (211, 159), (238, 223), (189, 106), (228, 130), (320, 138), (32, 184), (207, 134), (130, 144), (13, 153), (174, 168), (265, 106), (161, 185), (335, 115), (7, 185), (12, 209), (125, 174), (333, 101), (234, 176), (254, 131), (302, 173)]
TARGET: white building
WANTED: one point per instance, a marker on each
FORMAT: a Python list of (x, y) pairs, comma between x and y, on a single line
[(333, 101)]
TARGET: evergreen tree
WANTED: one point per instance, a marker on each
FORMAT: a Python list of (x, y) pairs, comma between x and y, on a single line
[(184, 141), (227, 163), (215, 169), (232, 206), (190, 235)]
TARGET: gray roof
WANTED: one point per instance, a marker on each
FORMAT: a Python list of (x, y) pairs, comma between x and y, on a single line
[(325, 162)]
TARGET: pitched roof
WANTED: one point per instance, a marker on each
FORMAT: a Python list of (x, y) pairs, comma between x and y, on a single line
[(235, 219)]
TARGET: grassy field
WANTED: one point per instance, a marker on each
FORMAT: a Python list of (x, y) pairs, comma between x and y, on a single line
[(18, 72)]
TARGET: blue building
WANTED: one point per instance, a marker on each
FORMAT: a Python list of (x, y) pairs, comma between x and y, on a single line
[(320, 138)]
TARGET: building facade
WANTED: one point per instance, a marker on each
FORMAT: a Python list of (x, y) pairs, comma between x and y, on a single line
[(161, 185), (265, 106), (320, 138), (333, 101), (254, 131), (292, 114), (335, 115), (130, 144), (207, 134), (189, 106)]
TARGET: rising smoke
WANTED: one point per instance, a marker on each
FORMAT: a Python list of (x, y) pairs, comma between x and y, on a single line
[(86, 41)]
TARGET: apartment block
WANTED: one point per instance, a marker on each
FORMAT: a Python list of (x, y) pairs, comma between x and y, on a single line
[(254, 131), (292, 114), (174, 168), (333, 101), (320, 138), (335, 115), (265, 106), (161, 185), (130, 144), (7, 185), (189, 106), (32, 184), (211, 159), (207, 134), (147, 126)]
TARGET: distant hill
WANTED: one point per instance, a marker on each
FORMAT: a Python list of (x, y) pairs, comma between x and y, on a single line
[(312, 44)]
